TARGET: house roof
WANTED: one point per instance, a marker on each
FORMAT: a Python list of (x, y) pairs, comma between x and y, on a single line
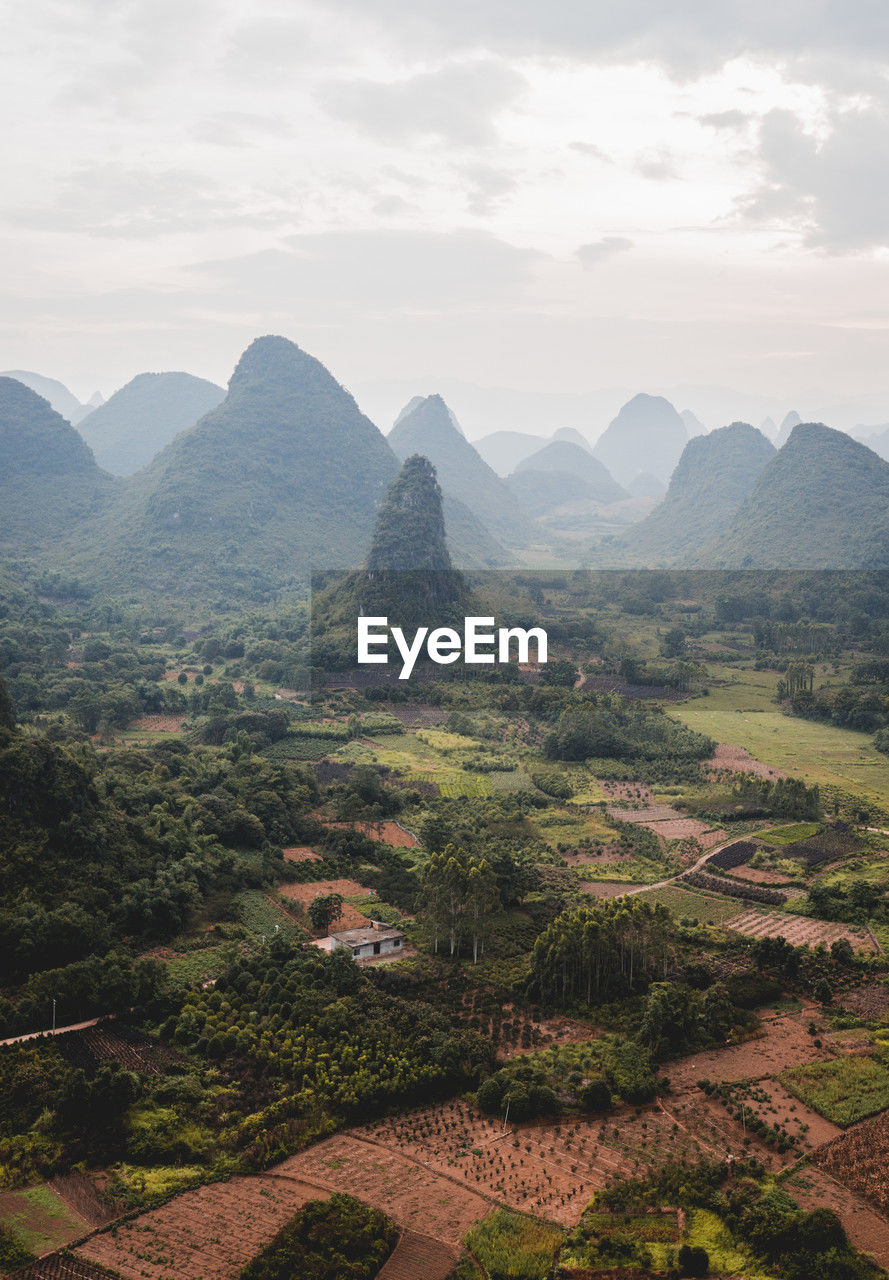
[(362, 937)]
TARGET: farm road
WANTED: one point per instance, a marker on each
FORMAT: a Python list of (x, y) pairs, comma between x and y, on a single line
[(59, 1031)]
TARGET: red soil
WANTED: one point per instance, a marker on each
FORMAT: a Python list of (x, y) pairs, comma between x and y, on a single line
[(300, 853), (731, 759), (387, 831)]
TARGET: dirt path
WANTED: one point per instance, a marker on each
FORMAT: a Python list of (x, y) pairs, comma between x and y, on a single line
[(59, 1031)]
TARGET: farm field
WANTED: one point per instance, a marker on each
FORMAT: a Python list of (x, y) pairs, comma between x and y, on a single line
[(548, 1168), (39, 1219), (784, 1039), (740, 711), (860, 1160), (797, 930), (845, 1090), (813, 1188), (709, 908), (205, 1234)]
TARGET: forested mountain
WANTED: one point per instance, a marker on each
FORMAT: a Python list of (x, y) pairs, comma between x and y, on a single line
[(49, 480), (429, 429), (141, 418), (822, 502), (284, 476), (58, 395), (572, 436), (504, 450), (788, 422), (647, 435), (712, 478), (566, 458)]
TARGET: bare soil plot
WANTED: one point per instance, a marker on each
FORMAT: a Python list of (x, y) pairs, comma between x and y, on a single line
[(414, 1196), (417, 715), (417, 1257), (205, 1234), (870, 1002), (388, 831), (648, 813), (585, 858), (800, 931), (814, 1188), (300, 853), (549, 1169), (678, 828), (755, 875), (605, 888), (158, 724), (306, 893), (635, 793), (784, 1042), (732, 759)]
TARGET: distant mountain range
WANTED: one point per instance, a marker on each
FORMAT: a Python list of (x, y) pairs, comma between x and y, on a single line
[(428, 427), (714, 475), (58, 395), (285, 475), (134, 424)]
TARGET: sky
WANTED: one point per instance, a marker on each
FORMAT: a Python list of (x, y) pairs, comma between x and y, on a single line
[(551, 197)]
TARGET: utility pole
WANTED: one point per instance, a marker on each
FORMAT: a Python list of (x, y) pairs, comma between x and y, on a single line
[(53, 1013), (506, 1116)]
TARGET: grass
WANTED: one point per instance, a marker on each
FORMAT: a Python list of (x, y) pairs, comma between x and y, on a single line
[(512, 1247), (39, 1220), (740, 710), (843, 1090), (262, 916), (790, 834), (707, 908), (706, 1230)]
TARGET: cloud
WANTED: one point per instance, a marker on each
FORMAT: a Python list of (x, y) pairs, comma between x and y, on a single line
[(590, 149), (835, 188), (456, 102), (725, 119), (657, 166), (126, 202), (591, 255), (685, 36), (486, 187), (375, 271)]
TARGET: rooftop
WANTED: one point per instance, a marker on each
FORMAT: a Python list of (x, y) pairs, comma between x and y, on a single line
[(361, 937)]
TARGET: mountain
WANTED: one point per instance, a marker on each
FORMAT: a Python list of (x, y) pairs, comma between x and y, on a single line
[(693, 424), (645, 485), (55, 392), (790, 420), (876, 438), (49, 480), (540, 492), (821, 503), (712, 478), (429, 429), (567, 458), (284, 476), (648, 434), (573, 437), (408, 576), (504, 450), (141, 418), (768, 428)]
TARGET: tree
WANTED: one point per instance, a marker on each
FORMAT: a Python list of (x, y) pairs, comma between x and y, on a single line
[(7, 714), (459, 896), (324, 910)]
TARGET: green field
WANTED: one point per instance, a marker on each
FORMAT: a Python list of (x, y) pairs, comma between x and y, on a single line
[(39, 1220), (790, 834), (740, 710), (709, 908), (510, 1245), (843, 1090)]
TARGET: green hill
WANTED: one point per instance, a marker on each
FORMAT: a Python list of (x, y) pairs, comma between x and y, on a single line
[(821, 503), (428, 429), (408, 576), (565, 459), (58, 395), (49, 481), (647, 435), (712, 478), (504, 450), (283, 477), (141, 418)]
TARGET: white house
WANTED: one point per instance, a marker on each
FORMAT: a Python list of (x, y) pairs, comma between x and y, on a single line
[(377, 939)]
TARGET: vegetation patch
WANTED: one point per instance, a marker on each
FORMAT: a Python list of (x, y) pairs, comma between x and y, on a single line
[(842, 1090), (511, 1246)]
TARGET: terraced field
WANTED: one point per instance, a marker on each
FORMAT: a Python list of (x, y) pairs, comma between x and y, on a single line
[(798, 930)]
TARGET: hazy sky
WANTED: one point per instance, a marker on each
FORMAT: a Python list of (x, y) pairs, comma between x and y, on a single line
[(540, 194)]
